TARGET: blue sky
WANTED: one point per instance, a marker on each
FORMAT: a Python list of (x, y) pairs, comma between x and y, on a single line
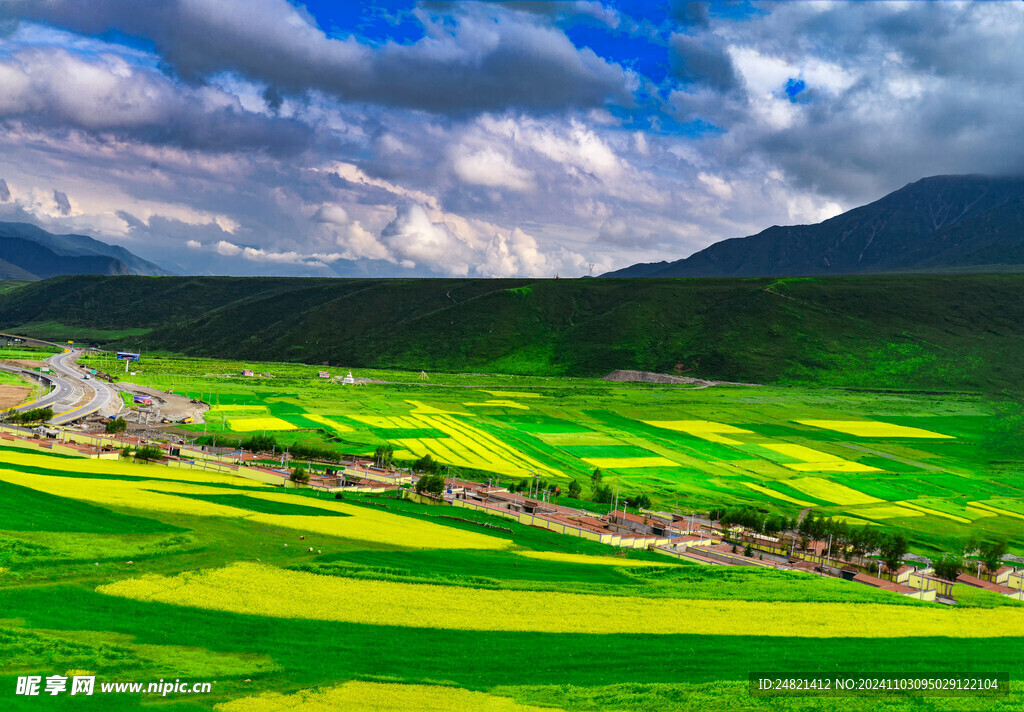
[(485, 138)]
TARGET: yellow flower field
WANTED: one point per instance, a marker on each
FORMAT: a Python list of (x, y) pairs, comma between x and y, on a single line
[(332, 424), (265, 590), (357, 696), (513, 394), (934, 512), (499, 404), (815, 460), (586, 559), (364, 524), (778, 495), (249, 425), (229, 408), (873, 429), (984, 507), (90, 466), (622, 463), (704, 429), (463, 446), (887, 511), (831, 491)]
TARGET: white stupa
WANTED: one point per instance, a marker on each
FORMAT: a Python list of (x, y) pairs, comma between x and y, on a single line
[(348, 379)]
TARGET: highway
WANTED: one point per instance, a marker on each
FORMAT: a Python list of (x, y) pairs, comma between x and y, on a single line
[(66, 382), (70, 374)]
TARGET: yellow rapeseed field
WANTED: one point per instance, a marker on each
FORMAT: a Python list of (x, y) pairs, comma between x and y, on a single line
[(778, 495), (357, 696), (241, 409), (934, 512), (249, 425), (623, 463), (815, 460), (499, 404), (704, 429), (585, 559), (265, 590), (88, 466), (332, 424), (873, 429), (831, 491), (364, 524), (513, 394), (985, 507), (887, 511)]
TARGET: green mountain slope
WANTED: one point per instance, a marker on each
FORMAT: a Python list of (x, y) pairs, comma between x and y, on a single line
[(923, 331)]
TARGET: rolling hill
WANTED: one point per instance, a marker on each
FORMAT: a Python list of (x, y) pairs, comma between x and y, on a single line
[(935, 332), (938, 224), (28, 252)]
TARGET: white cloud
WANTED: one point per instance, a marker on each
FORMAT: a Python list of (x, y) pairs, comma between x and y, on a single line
[(489, 167), (228, 249), (414, 239)]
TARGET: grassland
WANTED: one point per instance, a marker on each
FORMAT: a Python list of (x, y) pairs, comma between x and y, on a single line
[(400, 614)]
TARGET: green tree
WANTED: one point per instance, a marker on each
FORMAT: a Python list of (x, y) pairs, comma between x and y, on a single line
[(383, 455), (949, 568), (426, 464), (575, 490), (643, 502), (149, 453), (991, 554), (595, 479), (259, 443), (430, 484), (300, 475), (117, 425), (893, 547)]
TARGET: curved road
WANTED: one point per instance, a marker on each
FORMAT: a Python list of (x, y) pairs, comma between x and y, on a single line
[(59, 388), (67, 380), (67, 370)]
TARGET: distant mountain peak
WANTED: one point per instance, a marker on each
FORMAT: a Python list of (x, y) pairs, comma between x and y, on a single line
[(938, 223), (29, 252)]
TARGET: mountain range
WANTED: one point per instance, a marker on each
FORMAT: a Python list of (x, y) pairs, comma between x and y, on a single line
[(937, 224), (29, 253)]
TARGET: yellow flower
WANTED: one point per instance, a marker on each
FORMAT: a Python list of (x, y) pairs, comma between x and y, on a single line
[(265, 590), (358, 696)]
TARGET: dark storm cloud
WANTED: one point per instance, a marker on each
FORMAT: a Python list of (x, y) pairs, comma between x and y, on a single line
[(61, 201), (56, 89), (5, 192), (703, 60), (475, 63), (691, 14)]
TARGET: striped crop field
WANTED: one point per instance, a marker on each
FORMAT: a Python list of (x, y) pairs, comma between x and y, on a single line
[(936, 460)]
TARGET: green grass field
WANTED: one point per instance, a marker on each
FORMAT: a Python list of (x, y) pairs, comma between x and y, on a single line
[(102, 532), (934, 465)]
